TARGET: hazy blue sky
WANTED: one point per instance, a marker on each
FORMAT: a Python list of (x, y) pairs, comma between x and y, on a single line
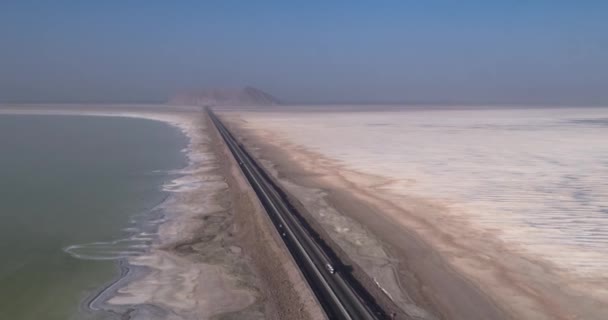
[(307, 51)]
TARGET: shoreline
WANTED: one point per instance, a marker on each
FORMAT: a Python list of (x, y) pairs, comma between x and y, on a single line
[(446, 272), (211, 259), (147, 268)]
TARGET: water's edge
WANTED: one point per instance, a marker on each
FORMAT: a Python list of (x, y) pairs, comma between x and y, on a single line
[(141, 233)]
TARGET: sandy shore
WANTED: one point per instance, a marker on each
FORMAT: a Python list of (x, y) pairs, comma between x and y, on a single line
[(216, 255), (422, 253)]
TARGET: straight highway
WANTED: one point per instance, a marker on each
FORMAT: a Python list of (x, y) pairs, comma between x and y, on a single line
[(335, 291)]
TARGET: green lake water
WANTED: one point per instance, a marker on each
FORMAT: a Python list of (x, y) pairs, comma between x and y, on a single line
[(70, 180)]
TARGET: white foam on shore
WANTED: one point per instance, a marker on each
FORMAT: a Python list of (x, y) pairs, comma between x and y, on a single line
[(135, 245)]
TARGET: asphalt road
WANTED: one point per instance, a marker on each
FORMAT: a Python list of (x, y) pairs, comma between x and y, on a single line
[(335, 289)]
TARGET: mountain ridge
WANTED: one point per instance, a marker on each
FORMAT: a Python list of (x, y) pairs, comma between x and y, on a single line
[(247, 96)]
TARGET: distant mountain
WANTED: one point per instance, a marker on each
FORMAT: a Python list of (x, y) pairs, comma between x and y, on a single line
[(247, 96)]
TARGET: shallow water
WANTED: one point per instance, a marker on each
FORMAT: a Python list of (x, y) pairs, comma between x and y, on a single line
[(537, 178), (76, 194)]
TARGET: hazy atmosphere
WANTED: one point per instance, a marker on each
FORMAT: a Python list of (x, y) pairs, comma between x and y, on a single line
[(307, 52), (304, 160)]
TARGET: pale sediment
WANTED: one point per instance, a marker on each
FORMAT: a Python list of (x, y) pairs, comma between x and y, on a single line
[(217, 257), (196, 270), (425, 253)]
